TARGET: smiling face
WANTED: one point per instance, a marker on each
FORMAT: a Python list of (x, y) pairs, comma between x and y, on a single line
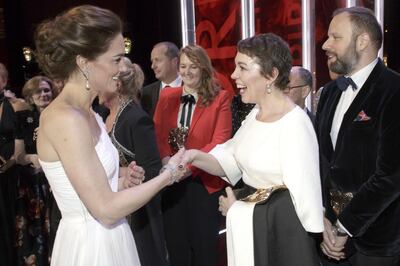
[(248, 79), (42, 96), (190, 73), (103, 70), (340, 46)]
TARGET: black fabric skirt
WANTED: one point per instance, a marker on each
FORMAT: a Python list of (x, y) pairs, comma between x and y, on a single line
[(279, 237)]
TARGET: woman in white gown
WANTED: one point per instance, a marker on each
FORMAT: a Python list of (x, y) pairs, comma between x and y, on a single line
[(83, 47), (275, 147)]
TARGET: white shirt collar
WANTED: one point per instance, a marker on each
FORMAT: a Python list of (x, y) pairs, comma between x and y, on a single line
[(176, 83), (361, 76)]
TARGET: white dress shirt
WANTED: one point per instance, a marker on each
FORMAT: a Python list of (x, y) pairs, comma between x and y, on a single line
[(347, 98), (196, 97), (176, 83)]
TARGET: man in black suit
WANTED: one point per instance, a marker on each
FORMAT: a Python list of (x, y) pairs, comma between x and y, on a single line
[(164, 62), (358, 128), (300, 84)]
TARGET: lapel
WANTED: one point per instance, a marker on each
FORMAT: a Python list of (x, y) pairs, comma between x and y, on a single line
[(156, 91), (358, 102), (198, 111), (326, 126), (173, 105)]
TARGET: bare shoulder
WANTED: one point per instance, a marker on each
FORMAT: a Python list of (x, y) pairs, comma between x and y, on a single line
[(61, 127)]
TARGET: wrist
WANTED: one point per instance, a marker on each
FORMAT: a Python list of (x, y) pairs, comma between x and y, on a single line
[(338, 231), (172, 171)]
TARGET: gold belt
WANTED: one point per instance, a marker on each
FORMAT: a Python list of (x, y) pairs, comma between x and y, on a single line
[(262, 194), (339, 200)]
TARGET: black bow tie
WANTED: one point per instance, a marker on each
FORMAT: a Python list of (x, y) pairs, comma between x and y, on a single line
[(188, 102), (343, 83), (185, 99)]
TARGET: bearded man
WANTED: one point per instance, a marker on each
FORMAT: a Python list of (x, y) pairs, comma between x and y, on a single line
[(358, 128)]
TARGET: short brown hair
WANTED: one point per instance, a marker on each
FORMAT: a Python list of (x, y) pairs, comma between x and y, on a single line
[(84, 30), (209, 85), (363, 20), (269, 51)]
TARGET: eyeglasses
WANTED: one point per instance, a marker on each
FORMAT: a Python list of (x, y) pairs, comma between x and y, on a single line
[(288, 88)]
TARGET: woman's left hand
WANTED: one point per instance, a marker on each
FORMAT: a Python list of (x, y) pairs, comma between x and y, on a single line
[(226, 202), (134, 175)]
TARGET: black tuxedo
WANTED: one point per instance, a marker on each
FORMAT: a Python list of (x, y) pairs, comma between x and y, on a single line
[(366, 161), (149, 97)]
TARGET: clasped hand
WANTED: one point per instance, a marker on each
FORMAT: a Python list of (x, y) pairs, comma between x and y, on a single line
[(134, 175), (332, 245)]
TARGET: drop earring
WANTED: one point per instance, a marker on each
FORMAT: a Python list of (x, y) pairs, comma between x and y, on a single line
[(87, 87), (268, 89), (85, 75)]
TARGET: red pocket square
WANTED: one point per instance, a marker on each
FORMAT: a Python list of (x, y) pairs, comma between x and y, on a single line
[(362, 116)]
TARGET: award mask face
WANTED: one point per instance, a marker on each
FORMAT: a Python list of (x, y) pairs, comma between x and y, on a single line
[(177, 137)]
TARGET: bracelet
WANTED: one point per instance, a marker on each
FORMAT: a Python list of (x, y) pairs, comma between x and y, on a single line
[(174, 173)]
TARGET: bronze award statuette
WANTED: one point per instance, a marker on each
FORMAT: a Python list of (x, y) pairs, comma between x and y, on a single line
[(177, 137), (339, 200)]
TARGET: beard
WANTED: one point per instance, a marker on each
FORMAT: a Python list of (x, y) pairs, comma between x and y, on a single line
[(345, 64)]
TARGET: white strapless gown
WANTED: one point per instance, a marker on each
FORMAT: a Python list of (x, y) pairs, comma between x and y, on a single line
[(81, 240)]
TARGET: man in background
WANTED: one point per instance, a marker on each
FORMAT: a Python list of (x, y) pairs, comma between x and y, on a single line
[(300, 85), (164, 62)]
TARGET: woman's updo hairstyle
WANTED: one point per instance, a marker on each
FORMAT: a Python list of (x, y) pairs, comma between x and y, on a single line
[(84, 30)]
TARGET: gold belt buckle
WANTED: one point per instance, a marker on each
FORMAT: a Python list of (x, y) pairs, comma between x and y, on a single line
[(339, 200), (262, 194)]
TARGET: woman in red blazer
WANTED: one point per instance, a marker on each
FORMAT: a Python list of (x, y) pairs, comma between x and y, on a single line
[(190, 209)]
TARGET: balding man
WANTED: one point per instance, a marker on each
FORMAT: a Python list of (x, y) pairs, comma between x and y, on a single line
[(300, 85), (164, 62)]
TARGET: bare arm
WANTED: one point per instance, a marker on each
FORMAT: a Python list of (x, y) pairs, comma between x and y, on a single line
[(62, 140), (204, 161)]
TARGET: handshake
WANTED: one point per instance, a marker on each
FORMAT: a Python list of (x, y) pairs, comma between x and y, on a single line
[(176, 166)]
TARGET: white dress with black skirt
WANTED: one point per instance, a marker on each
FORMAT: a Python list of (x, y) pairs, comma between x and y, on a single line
[(284, 152)]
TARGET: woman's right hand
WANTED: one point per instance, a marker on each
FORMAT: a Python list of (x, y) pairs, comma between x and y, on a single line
[(175, 162)]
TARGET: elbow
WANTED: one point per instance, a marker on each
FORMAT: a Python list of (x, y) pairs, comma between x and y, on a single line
[(105, 216), (107, 220)]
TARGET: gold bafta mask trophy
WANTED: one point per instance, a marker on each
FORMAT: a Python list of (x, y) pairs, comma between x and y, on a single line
[(177, 137)]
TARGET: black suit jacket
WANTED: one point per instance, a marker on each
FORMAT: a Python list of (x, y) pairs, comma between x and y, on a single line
[(134, 130), (149, 97), (366, 161)]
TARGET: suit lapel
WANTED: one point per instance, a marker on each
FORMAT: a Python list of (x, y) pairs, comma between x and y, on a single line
[(196, 115), (358, 102), (156, 91), (326, 126)]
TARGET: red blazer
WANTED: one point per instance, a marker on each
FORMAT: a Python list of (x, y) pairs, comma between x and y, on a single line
[(211, 125)]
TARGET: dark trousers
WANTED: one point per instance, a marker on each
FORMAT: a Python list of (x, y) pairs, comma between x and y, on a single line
[(191, 223), (359, 259)]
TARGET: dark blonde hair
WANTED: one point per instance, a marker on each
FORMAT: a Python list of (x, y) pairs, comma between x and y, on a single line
[(131, 80), (84, 30), (209, 85), (32, 85)]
